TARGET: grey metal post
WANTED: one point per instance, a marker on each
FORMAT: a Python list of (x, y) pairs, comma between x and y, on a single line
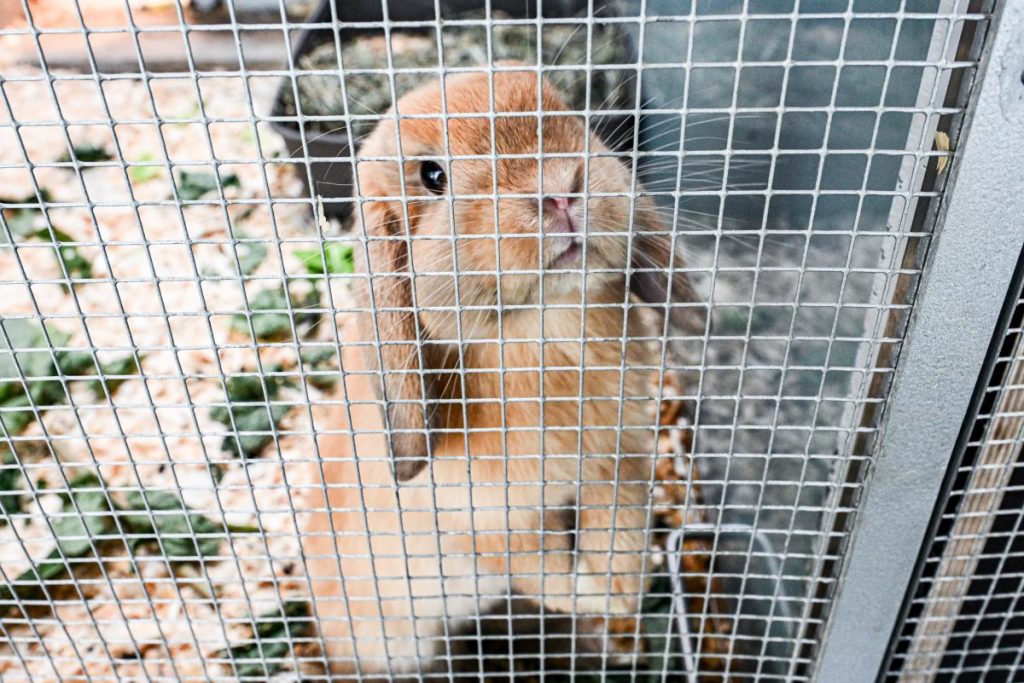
[(963, 288)]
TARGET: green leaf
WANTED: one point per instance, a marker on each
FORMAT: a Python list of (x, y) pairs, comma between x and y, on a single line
[(250, 388), (74, 529), (13, 419), (29, 223), (10, 482), (71, 530), (24, 221), (76, 363), (86, 513), (253, 419), (183, 535), (268, 326), (338, 257), (88, 152), (271, 641), (142, 174), (29, 350), (50, 568), (250, 255), (32, 582), (77, 266), (47, 394), (254, 429), (115, 373), (194, 184), (270, 319), (318, 356), (321, 361)]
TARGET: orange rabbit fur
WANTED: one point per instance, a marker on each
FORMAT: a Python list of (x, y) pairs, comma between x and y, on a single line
[(414, 540)]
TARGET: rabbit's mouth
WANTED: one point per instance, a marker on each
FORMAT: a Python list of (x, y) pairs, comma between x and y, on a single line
[(568, 256)]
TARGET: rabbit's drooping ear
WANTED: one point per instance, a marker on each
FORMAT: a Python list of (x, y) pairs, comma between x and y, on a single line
[(659, 275), (405, 389)]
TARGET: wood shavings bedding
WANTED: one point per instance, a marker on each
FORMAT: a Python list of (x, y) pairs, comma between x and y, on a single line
[(135, 619)]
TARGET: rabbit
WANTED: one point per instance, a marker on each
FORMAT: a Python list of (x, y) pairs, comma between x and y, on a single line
[(475, 480)]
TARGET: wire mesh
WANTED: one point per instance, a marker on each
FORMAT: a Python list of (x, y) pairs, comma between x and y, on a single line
[(193, 345), (963, 621)]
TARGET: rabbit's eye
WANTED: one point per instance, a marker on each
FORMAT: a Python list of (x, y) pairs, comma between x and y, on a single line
[(433, 176)]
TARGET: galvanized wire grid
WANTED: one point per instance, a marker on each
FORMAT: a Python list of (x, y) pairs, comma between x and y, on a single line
[(964, 620), (794, 153)]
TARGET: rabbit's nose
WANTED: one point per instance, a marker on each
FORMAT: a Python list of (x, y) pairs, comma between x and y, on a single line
[(560, 209)]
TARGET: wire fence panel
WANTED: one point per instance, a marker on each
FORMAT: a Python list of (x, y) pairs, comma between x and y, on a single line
[(571, 363), (963, 621), (917, 491)]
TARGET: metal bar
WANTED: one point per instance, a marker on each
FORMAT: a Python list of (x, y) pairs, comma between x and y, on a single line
[(983, 496), (963, 288)]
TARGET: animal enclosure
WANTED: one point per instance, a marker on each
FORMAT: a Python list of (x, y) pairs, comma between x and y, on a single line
[(641, 340)]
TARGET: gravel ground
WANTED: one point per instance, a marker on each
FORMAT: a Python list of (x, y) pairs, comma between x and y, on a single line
[(156, 299)]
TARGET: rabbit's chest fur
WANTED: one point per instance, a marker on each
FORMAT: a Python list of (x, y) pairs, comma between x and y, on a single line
[(552, 426), (561, 399)]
